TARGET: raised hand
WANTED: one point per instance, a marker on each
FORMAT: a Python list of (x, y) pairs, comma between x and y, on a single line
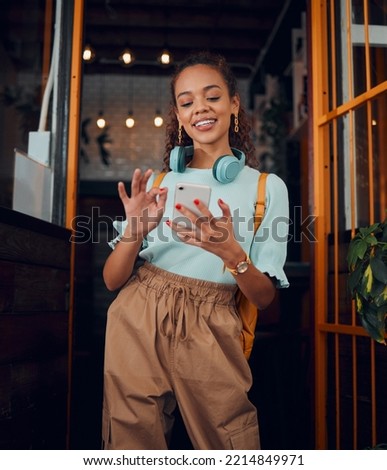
[(143, 209)]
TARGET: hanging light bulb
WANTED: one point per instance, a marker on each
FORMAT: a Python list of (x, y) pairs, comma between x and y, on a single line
[(165, 58), (101, 121), (88, 53), (130, 120), (158, 120), (126, 57)]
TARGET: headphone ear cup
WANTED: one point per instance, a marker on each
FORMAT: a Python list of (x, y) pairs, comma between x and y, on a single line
[(177, 159), (226, 168)]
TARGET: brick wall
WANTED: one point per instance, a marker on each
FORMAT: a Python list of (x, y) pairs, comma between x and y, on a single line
[(142, 146)]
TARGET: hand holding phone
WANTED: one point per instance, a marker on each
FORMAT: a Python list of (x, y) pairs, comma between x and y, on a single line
[(185, 194)]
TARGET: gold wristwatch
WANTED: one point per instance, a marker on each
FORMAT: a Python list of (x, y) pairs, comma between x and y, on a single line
[(241, 267)]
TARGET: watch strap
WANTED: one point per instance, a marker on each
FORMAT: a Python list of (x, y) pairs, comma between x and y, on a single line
[(235, 270)]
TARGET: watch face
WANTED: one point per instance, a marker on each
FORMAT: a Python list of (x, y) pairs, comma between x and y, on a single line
[(242, 267)]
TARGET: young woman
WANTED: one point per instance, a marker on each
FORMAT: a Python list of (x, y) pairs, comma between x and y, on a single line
[(173, 330)]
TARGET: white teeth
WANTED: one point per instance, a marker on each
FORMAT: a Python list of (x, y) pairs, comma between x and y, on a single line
[(204, 123)]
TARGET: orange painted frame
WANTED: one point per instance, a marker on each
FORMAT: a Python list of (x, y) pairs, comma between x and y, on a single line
[(322, 117), (72, 170)]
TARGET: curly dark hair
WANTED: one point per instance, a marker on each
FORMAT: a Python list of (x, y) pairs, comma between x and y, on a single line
[(240, 140)]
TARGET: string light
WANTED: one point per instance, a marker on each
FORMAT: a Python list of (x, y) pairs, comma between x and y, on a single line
[(130, 120), (158, 120), (165, 58), (101, 121), (88, 53), (127, 57)]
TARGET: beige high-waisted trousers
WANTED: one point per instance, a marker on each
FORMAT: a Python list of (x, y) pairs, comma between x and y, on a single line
[(171, 338)]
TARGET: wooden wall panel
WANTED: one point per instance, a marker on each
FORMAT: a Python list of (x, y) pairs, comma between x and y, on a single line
[(34, 247), (34, 328), (32, 402), (27, 288), (36, 335)]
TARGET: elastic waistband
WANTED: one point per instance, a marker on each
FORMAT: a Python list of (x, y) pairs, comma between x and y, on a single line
[(155, 277)]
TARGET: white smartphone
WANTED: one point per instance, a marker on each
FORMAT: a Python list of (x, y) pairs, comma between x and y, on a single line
[(185, 194)]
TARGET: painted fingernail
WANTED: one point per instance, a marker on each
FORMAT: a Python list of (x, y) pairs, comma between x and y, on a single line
[(196, 201), (178, 206), (221, 201), (168, 222)]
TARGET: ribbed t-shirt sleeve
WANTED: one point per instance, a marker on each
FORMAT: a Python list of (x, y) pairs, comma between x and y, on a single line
[(119, 226), (269, 248)]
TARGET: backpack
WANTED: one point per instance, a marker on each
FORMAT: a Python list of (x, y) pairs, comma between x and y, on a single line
[(247, 311)]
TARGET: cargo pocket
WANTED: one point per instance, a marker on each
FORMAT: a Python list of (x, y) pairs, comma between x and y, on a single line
[(106, 428), (246, 438)]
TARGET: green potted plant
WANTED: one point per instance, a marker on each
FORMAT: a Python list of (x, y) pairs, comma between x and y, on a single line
[(367, 263)]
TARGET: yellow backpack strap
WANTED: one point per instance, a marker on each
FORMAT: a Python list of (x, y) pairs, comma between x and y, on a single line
[(159, 178), (248, 312), (261, 201)]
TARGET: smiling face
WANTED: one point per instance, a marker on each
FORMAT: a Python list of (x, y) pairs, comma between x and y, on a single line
[(204, 106)]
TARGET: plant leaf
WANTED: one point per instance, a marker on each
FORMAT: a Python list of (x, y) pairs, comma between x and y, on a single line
[(379, 269), (371, 240), (362, 249), (381, 299), (359, 304), (365, 231), (354, 279), (367, 280), (357, 249), (378, 253), (366, 283), (374, 325), (377, 289), (351, 254), (384, 232)]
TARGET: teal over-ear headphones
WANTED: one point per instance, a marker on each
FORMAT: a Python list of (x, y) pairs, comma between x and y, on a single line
[(225, 169)]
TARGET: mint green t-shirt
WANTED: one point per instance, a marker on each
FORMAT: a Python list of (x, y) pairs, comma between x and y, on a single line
[(267, 249)]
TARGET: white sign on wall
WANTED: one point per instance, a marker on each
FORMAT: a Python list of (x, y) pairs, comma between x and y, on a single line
[(32, 187)]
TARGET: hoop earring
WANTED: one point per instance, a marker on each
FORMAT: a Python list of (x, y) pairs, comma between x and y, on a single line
[(180, 135), (236, 124)]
